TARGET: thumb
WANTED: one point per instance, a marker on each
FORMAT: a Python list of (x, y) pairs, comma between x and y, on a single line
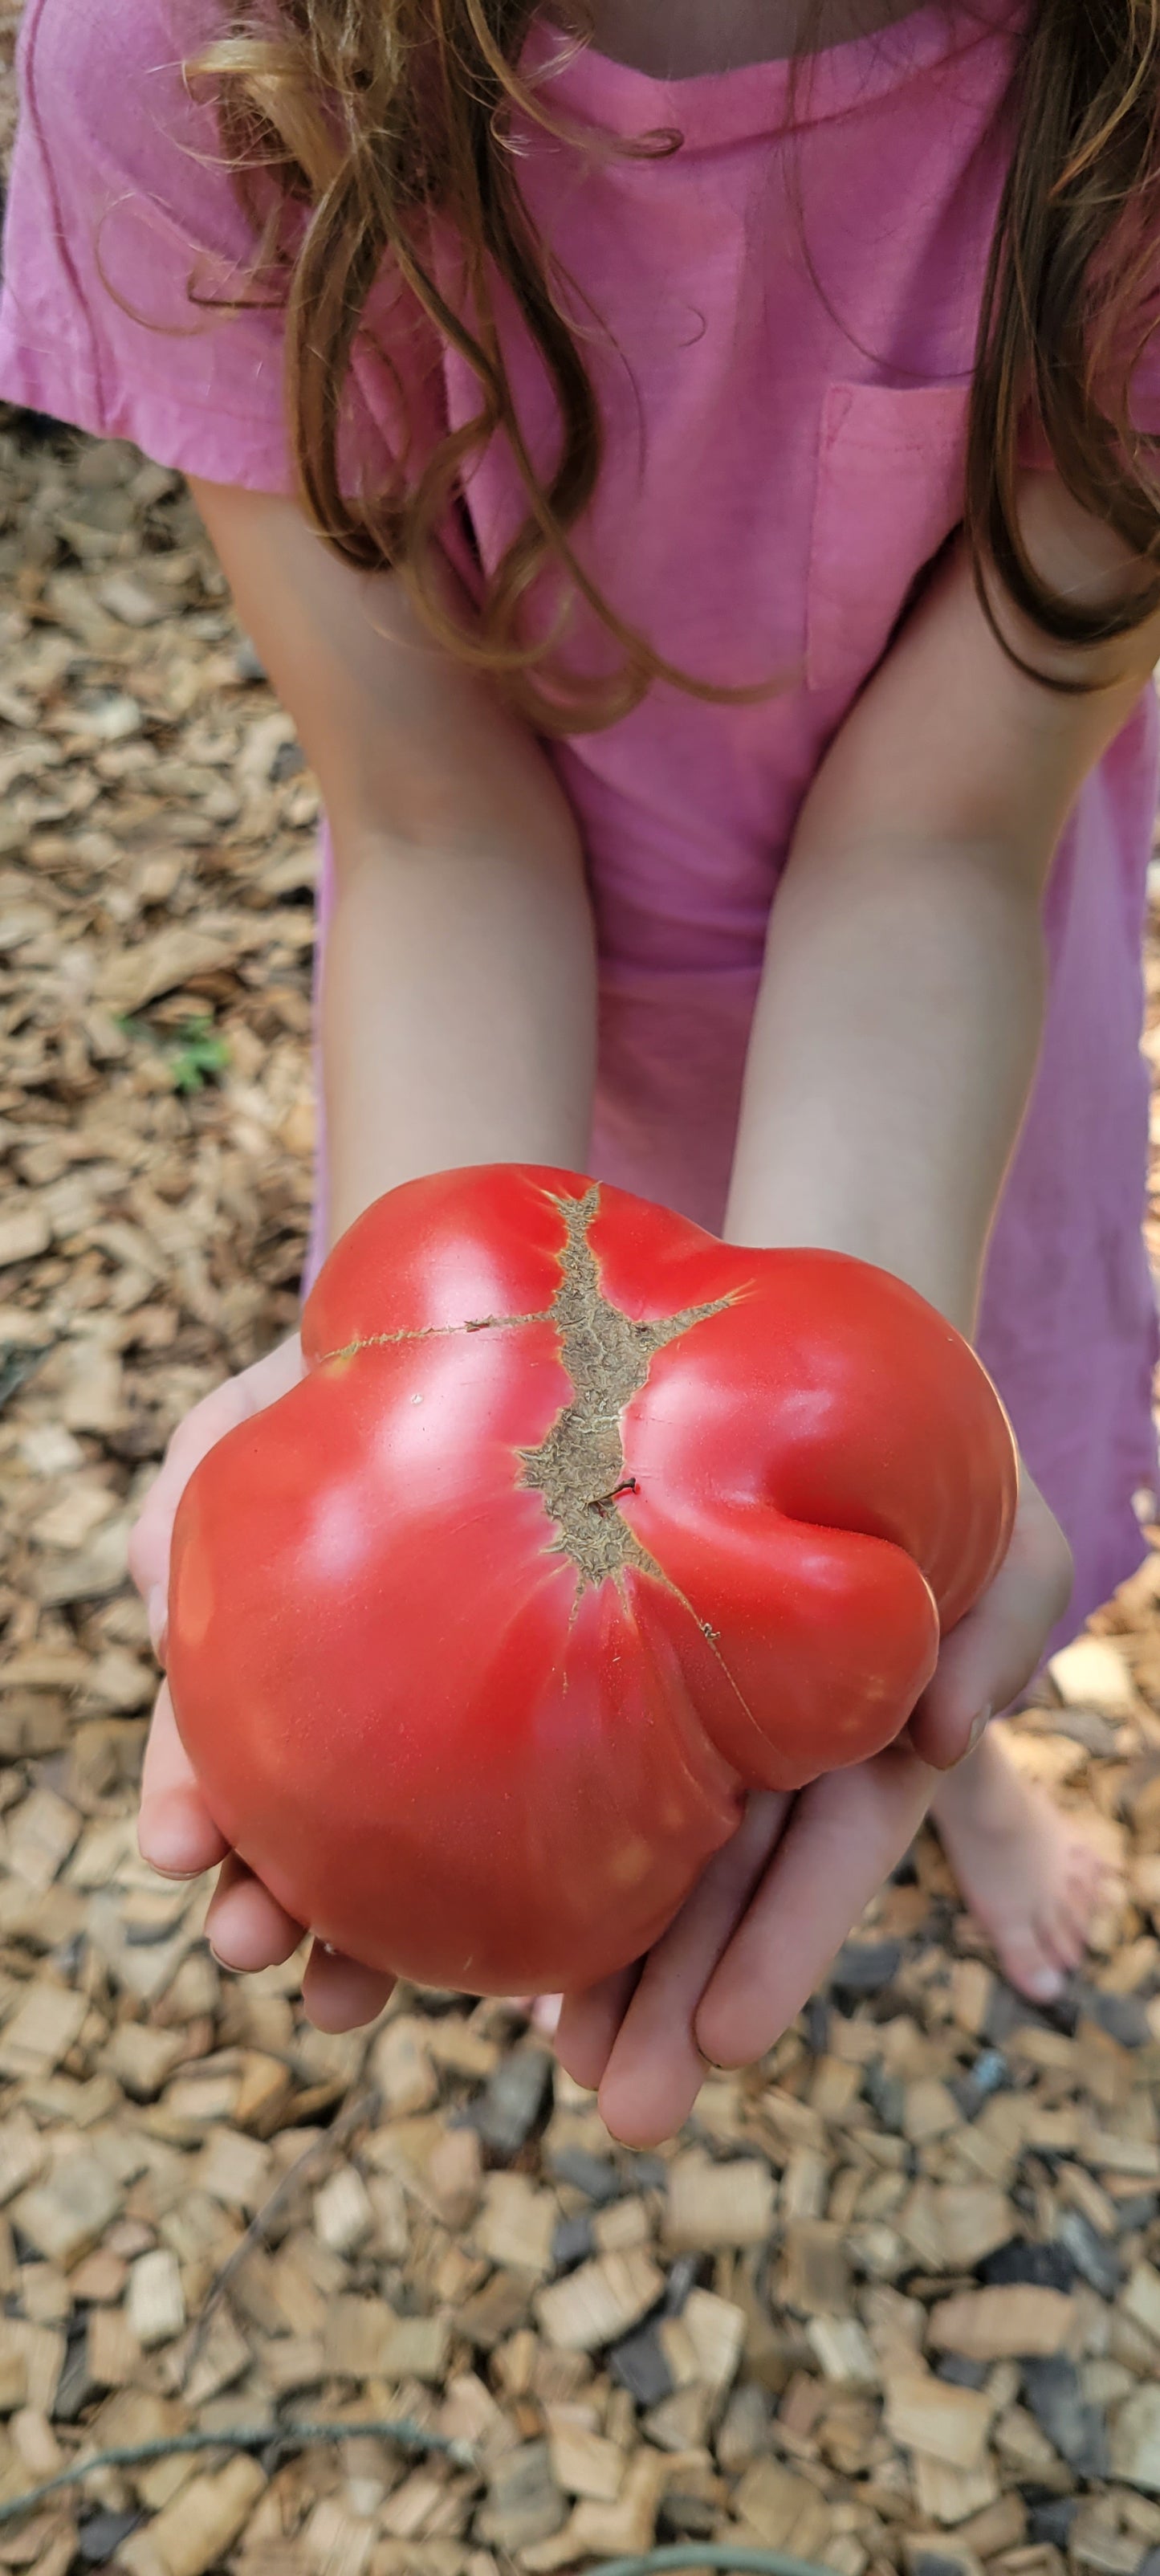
[(218, 1412)]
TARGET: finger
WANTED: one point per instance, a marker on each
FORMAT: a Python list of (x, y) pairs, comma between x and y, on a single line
[(994, 1652), (845, 1835), (339, 1993), (245, 1926), (656, 2069), (588, 2025), (542, 2011), (176, 1833)]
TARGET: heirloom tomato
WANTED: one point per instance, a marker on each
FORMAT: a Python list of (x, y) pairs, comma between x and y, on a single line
[(580, 1525)]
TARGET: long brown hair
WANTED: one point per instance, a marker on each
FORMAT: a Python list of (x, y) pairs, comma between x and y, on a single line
[(354, 128)]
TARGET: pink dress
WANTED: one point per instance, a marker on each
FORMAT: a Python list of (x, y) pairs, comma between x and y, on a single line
[(785, 449)]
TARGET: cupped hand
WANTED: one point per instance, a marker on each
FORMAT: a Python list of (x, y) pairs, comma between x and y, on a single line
[(756, 1936), (246, 1926)]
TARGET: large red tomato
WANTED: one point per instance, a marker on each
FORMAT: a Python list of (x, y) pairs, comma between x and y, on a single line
[(580, 1525)]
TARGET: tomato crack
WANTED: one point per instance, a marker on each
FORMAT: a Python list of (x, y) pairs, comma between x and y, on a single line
[(430, 1333), (579, 1468)]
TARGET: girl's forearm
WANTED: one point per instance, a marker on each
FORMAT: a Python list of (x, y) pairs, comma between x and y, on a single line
[(458, 1011), (903, 996), (892, 1054)]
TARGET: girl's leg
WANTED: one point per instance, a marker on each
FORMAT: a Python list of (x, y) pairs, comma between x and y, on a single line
[(1023, 1866)]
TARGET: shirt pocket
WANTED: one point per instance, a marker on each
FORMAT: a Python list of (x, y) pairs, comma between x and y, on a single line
[(891, 464)]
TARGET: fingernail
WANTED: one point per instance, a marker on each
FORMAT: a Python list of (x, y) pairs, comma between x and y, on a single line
[(979, 1728), (1046, 1985), (155, 1612), (171, 1836)]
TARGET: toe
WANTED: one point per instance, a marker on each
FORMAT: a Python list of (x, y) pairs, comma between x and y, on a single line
[(1084, 1882), (1083, 1869), (1062, 1937), (1030, 1967), (1070, 1930)]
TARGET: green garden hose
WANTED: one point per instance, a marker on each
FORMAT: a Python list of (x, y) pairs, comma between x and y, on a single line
[(407, 2437)]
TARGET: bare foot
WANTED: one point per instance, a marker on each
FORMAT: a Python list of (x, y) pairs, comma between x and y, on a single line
[(1024, 1868)]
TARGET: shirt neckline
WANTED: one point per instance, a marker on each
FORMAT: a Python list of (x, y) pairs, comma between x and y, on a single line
[(756, 98)]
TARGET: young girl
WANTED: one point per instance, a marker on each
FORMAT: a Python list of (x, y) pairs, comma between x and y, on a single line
[(684, 473)]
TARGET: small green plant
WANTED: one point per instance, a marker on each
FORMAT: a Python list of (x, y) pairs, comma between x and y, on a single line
[(194, 1049), (197, 1053)]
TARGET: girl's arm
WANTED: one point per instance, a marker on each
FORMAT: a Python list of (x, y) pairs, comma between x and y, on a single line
[(459, 1010), (891, 1056), (459, 1021), (902, 1000)]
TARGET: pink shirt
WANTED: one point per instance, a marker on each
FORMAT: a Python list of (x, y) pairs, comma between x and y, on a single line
[(785, 450)]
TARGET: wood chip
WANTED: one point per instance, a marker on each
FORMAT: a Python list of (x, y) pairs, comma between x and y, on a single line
[(203, 2522), (929, 2110), (627, 2527), (155, 2302), (843, 2350), (42, 2031), (41, 1838), (990, 2325), (584, 2463), (599, 2301), (418, 2348), (816, 2276), (143, 2059), (67, 2214), (453, 2178), (516, 2224), (716, 2330), (1140, 2298), (525, 2503), (113, 2354), (1091, 1673), (925, 2415), (780, 2510), (711, 2206), (402, 2068), (1135, 2440), (948, 2495), (343, 2211), (972, 2221), (235, 2170)]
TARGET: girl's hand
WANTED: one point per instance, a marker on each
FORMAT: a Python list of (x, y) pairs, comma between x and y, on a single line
[(755, 1938), (247, 1928)]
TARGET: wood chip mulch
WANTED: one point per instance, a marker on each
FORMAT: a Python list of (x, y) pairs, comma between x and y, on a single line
[(892, 2301)]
